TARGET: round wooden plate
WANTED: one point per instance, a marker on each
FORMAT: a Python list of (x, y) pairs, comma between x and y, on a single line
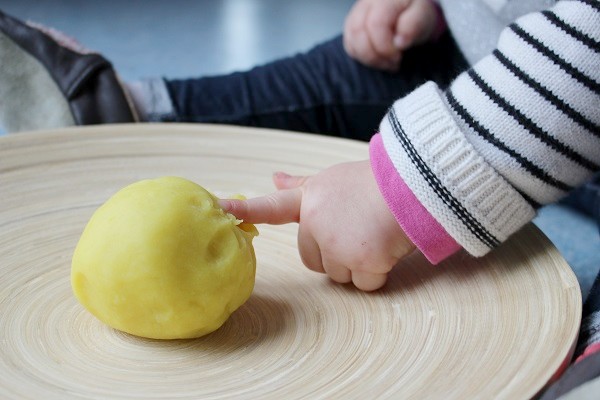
[(497, 327)]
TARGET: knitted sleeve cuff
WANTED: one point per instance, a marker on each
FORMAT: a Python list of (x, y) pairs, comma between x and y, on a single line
[(465, 194), (418, 224)]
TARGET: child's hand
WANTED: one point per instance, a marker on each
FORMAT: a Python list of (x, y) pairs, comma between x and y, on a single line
[(376, 32), (345, 226)]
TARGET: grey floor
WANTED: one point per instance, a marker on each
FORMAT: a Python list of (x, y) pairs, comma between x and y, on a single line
[(186, 38)]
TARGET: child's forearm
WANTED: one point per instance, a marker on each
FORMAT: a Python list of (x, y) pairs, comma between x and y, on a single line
[(418, 224), (516, 131)]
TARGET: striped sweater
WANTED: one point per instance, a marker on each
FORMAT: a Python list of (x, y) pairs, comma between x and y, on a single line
[(516, 131)]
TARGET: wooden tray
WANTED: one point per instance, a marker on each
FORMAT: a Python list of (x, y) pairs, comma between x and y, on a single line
[(497, 327)]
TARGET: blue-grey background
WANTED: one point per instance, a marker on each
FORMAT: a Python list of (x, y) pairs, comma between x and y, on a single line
[(179, 38), (187, 38)]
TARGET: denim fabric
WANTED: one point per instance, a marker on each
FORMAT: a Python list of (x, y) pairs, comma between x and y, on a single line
[(321, 91), (587, 199)]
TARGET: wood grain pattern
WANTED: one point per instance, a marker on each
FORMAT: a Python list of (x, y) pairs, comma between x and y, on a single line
[(497, 327)]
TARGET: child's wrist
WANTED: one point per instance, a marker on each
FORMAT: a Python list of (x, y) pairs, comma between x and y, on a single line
[(421, 228)]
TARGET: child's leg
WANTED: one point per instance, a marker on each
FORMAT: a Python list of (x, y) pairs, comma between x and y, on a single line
[(581, 379), (589, 336), (322, 91)]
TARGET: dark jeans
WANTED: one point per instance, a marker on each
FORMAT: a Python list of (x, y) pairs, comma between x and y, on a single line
[(587, 199), (321, 91)]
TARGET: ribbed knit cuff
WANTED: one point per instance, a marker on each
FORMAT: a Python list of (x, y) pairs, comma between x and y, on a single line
[(474, 204), (416, 222)]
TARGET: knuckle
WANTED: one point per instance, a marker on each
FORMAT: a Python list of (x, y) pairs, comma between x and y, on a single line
[(237, 208), (376, 21), (373, 263), (271, 203), (352, 25), (272, 206)]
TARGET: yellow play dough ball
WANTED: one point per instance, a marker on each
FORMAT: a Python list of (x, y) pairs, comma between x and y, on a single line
[(160, 259)]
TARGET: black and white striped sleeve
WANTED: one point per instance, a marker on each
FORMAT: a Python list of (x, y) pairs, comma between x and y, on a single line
[(518, 130)]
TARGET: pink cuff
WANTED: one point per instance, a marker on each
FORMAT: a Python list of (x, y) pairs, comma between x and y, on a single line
[(418, 224)]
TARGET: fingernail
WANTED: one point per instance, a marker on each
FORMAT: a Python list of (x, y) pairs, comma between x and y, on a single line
[(399, 42), (281, 175)]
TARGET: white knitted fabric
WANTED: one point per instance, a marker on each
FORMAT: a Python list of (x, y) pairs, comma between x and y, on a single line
[(516, 131), (475, 205), (476, 24)]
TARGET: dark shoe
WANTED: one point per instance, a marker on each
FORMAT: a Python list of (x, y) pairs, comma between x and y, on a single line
[(46, 82)]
